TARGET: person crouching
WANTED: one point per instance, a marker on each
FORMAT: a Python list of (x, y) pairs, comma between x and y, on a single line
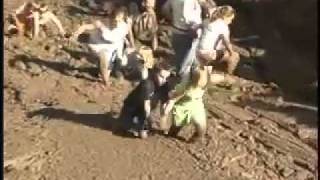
[(186, 105), (108, 41), (135, 115)]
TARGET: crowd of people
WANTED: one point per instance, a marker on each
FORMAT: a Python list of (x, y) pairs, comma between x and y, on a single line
[(200, 41)]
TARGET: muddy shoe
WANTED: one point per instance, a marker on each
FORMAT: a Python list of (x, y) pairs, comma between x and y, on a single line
[(165, 132), (144, 134), (134, 132), (257, 52)]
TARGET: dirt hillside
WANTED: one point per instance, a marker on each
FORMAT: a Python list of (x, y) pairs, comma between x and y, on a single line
[(58, 122)]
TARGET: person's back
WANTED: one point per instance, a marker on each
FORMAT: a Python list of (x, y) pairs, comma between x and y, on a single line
[(215, 46), (209, 39)]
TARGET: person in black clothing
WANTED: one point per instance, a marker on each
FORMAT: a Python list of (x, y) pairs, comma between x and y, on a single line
[(152, 89)]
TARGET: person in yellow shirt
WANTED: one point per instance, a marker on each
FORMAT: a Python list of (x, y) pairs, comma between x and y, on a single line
[(186, 105)]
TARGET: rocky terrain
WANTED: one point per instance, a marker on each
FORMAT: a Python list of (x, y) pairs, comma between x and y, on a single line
[(58, 121)]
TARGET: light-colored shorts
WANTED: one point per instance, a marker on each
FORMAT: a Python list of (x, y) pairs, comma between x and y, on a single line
[(108, 53), (187, 112)]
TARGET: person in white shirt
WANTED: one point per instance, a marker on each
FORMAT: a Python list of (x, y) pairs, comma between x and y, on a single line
[(107, 41), (214, 46), (186, 19)]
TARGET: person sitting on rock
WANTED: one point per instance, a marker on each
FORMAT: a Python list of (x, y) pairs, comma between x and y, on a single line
[(108, 40), (186, 106), (214, 46), (154, 87), (29, 17)]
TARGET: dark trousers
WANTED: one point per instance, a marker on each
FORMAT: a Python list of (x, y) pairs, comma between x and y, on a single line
[(126, 118), (181, 44)]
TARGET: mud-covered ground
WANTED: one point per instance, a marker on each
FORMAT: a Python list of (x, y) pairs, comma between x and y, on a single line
[(58, 122)]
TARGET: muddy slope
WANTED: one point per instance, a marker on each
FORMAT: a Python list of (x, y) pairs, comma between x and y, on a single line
[(58, 123)]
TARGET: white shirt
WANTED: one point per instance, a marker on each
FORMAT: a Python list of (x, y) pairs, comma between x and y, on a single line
[(111, 38), (210, 35), (186, 13), (117, 34)]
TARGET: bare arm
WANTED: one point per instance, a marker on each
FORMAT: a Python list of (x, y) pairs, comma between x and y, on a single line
[(131, 38), (226, 43), (155, 37), (205, 56), (50, 16), (35, 5), (130, 33), (82, 29), (174, 97), (20, 25), (20, 9), (147, 108)]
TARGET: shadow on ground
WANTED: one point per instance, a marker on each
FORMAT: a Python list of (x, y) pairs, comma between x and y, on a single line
[(104, 121), (90, 57), (60, 67)]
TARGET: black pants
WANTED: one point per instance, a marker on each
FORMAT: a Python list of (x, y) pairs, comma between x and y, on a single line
[(127, 115), (181, 44)]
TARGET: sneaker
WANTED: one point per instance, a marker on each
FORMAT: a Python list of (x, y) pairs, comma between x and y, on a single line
[(165, 132), (134, 132), (144, 134)]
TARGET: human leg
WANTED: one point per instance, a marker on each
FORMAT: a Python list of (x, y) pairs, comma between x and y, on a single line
[(119, 60), (143, 124), (125, 118), (104, 59), (47, 16), (200, 121), (36, 24), (164, 121), (181, 44), (16, 26), (231, 61)]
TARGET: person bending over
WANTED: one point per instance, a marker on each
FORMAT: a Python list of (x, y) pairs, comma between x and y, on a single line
[(214, 46), (141, 101), (108, 40), (185, 105)]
